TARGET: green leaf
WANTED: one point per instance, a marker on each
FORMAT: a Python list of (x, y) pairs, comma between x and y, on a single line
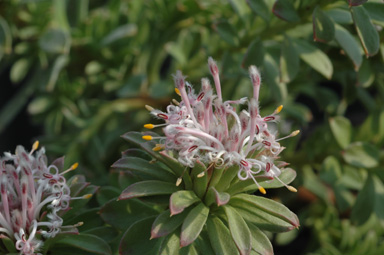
[(222, 198), (142, 166), (247, 185), (362, 154), (199, 182), (122, 214), (181, 200), (285, 10), (379, 197), (148, 188), (314, 184), (165, 223), (59, 64), (323, 27), (340, 16), (85, 242), (55, 41), (289, 61), (106, 193), (19, 70), (356, 2), (365, 202), (331, 170), (315, 58), (260, 8), (171, 246), (124, 31), (136, 240), (220, 237), (254, 54), (107, 233), (226, 178), (366, 31), (342, 130), (287, 176), (9, 244), (193, 224), (227, 33), (262, 206), (366, 75), (348, 43), (239, 230), (5, 38), (376, 12), (260, 242)]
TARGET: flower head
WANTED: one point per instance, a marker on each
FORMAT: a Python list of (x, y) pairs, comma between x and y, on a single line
[(204, 127), (32, 196)]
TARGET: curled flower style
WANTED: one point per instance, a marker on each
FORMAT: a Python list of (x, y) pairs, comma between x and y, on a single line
[(32, 196), (204, 127)]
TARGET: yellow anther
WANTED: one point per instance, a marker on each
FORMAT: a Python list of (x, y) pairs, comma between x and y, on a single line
[(147, 137), (175, 102), (179, 180), (177, 91), (262, 190), (74, 166), (295, 133), (149, 108), (35, 145), (292, 189), (278, 109), (87, 196), (79, 224), (201, 174), (149, 126), (158, 147)]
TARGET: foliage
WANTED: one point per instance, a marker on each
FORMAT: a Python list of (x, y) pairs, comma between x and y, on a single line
[(90, 67)]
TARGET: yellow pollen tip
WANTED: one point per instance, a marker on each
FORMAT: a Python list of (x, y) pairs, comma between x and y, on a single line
[(179, 180), (87, 196), (147, 137), (158, 147), (74, 166), (79, 224), (262, 190), (175, 102), (292, 189), (201, 174), (35, 145), (295, 133), (177, 91), (149, 126), (278, 109), (149, 108)]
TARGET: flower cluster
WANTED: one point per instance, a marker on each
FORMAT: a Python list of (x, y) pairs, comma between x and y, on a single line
[(32, 195), (204, 127)]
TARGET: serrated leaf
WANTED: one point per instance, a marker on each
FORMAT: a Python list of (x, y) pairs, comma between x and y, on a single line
[(19, 70), (260, 242), (315, 58), (323, 27), (285, 10), (220, 237), (348, 43), (148, 188), (342, 130), (181, 200), (356, 2), (122, 214), (227, 32), (260, 8), (254, 54), (193, 224), (362, 154), (239, 230), (87, 243), (289, 61), (165, 223), (136, 240), (366, 31), (142, 166), (365, 202)]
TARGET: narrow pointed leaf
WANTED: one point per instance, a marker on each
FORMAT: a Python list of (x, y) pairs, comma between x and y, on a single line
[(323, 27), (365, 202), (87, 243), (350, 46), (220, 237), (199, 182), (285, 10), (228, 175), (171, 246), (239, 230), (265, 213), (356, 2), (148, 188), (260, 242), (142, 166), (341, 129), (193, 224), (181, 200), (136, 240), (315, 58), (379, 197), (166, 224), (289, 61), (366, 31), (260, 8)]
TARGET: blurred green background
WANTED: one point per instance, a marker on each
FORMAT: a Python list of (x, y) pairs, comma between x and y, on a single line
[(76, 75)]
